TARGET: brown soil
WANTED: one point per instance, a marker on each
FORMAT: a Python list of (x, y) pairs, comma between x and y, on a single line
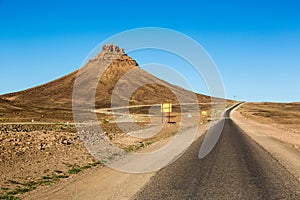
[(38, 155), (285, 116)]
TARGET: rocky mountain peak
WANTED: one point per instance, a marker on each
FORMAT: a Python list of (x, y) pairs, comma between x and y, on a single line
[(112, 48), (110, 52)]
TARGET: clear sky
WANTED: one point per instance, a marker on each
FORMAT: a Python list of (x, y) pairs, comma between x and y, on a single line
[(255, 44)]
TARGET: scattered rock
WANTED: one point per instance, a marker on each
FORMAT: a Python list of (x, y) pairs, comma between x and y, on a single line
[(44, 146), (66, 141)]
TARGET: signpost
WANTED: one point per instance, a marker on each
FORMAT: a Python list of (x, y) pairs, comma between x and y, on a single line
[(166, 108)]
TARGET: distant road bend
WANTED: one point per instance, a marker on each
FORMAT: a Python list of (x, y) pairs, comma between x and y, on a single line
[(237, 168)]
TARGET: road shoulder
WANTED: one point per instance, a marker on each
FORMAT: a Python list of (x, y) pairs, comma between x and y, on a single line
[(281, 144)]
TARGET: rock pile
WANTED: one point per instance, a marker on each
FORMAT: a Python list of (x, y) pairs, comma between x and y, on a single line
[(111, 48), (5, 128)]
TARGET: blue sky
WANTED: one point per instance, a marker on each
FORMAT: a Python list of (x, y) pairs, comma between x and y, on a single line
[(255, 44)]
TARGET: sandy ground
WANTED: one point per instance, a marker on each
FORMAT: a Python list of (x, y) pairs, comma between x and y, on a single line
[(101, 182), (97, 183), (284, 116), (282, 144)]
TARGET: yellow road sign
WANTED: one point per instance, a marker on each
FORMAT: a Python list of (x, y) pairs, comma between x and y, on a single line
[(166, 107), (204, 113)]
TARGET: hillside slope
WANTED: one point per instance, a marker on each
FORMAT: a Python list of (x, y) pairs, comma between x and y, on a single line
[(53, 101)]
